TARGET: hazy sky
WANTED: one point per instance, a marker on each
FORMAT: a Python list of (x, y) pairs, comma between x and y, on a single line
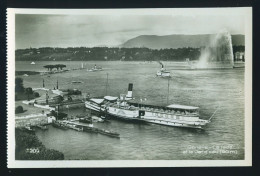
[(36, 31)]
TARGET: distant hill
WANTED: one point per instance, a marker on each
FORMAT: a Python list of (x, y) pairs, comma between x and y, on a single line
[(177, 41)]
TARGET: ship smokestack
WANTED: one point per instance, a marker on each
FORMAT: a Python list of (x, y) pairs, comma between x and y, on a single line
[(130, 91), (160, 63)]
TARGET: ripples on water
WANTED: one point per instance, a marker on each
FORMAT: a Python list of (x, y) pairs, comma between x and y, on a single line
[(207, 89)]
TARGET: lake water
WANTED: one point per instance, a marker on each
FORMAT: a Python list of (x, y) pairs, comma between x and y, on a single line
[(223, 138)]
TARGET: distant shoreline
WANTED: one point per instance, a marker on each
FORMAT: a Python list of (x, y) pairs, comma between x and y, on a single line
[(112, 54), (20, 73)]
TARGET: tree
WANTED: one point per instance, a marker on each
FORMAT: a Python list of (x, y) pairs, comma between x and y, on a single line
[(18, 109), (60, 99), (25, 141), (28, 92), (47, 66), (62, 66), (36, 94), (57, 66), (52, 67), (19, 85)]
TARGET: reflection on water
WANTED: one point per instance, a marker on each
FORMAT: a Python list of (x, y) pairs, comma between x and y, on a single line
[(207, 89)]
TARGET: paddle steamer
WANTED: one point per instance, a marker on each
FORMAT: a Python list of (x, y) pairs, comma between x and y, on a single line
[(124, 107)]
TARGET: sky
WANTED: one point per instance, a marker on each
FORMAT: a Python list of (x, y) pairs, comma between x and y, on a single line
[(45, 30)]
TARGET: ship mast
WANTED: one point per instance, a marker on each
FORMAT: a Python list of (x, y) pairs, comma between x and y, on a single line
[(168, 91), (47, 96), (106, 84), (57, 84)]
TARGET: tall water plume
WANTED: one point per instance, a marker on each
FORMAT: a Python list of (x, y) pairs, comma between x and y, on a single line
[(219, 53)]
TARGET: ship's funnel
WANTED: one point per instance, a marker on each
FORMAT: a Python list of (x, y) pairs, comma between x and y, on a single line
[(160, 63), (130, 91)]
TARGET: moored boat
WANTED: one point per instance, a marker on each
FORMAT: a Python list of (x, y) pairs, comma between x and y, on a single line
[(74, 127), (59, 125), (95, 68), (97, 119), (42, 127), (85, 120), (90, 128), (109, 133), (126, 108), (105, 119)]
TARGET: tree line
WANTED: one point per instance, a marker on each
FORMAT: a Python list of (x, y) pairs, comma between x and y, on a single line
[(111, 54)]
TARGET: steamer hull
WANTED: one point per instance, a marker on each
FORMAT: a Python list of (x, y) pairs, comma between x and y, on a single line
[(179, 117), (125, 108)]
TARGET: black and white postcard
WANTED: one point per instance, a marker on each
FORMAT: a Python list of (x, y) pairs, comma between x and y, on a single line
[(129, 87)]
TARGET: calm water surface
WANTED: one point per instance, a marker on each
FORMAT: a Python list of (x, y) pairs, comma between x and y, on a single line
[(207, 89)]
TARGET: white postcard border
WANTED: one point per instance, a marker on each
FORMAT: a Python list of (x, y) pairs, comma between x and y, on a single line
[(12, 163)]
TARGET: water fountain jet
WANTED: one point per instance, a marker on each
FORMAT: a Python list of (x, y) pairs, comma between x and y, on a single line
[(218, 55)]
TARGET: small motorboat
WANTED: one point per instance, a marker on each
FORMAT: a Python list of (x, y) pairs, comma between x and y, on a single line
[(76, 82), (96, 68), (109, 133), (163, 73), (97, 119)]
